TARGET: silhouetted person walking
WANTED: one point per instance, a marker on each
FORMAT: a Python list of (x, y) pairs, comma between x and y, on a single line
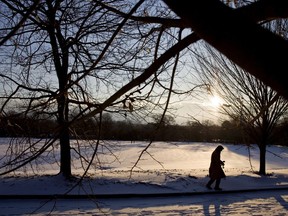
[(215, 170)]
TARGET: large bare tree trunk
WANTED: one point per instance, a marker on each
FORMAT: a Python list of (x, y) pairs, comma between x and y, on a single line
[(262, 167), (65, 154)]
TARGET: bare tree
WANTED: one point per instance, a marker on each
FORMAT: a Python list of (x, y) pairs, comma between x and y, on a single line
[(235, 31), (86, 58), (257, 108)]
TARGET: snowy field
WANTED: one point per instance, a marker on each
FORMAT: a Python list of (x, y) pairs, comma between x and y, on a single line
[(176, 172)]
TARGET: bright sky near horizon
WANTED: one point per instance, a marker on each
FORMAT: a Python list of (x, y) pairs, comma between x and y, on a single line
[(201, 110)]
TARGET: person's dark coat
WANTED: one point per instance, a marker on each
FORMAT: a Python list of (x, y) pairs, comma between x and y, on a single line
[(215, 169)]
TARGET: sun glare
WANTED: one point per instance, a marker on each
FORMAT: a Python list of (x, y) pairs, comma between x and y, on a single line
[(216, 101)]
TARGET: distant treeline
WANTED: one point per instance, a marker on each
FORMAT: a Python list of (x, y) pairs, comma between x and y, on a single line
[(228, 132)]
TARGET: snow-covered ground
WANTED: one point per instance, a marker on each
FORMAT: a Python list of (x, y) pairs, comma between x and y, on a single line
[(177, 172)]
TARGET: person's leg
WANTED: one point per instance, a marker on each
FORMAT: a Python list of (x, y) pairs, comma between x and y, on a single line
[(208, 185), (218, 181)]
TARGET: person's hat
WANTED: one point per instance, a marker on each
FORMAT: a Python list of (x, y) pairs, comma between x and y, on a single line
[(220, 147)]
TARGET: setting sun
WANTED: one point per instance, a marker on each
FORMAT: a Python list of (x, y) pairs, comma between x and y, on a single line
[(216, 101)]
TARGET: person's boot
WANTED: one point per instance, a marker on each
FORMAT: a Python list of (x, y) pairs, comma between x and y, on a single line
[(218, 188), (217, 185), (208, 186)]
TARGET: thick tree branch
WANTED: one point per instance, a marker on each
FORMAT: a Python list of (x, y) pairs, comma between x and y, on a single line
[(250, 46)]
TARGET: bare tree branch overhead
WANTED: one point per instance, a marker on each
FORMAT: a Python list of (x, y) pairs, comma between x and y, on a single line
[(236, 35)]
